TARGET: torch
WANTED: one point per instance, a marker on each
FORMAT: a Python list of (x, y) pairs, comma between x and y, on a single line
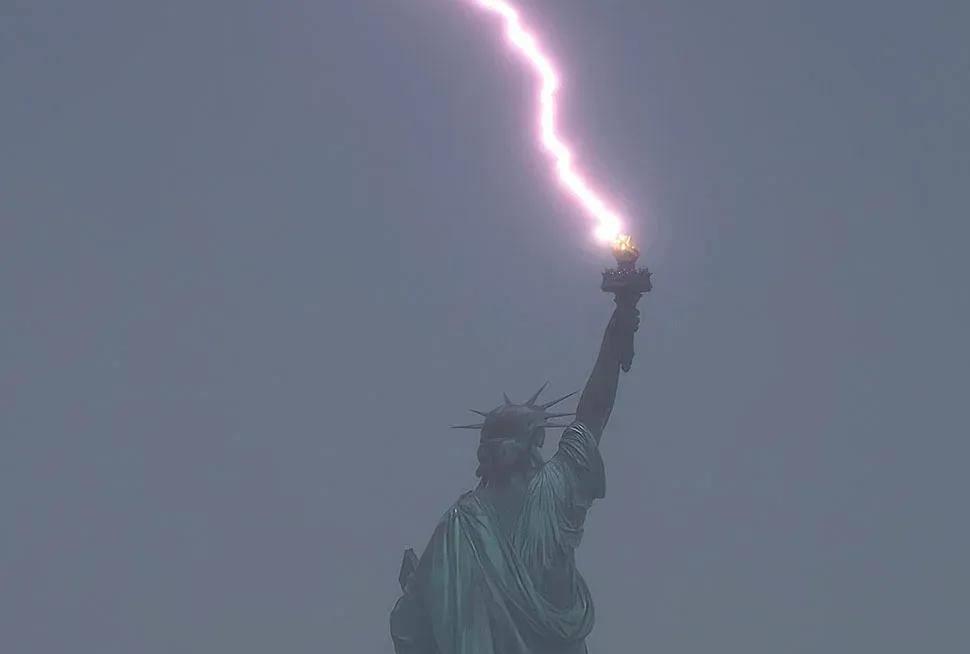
[(627, 283)]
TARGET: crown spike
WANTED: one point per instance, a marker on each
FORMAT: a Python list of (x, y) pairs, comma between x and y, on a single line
[(535, 396), (559, 415), (476, 426), (483, 414), (505, 397), (555, 402)]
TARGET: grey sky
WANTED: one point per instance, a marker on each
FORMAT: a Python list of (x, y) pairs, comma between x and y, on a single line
[(256, 257)]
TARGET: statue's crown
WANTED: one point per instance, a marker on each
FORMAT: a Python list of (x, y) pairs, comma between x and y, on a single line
[(518, 421)]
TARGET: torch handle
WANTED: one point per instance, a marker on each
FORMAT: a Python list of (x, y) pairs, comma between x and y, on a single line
[(626, 318)]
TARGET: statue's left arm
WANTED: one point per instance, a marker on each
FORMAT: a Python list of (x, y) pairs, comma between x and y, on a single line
[(616, 353)]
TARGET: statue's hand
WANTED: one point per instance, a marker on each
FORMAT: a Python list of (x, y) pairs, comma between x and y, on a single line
[(626, 322)]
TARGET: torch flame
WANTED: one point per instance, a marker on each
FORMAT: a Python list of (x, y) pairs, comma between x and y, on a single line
[(624, 248)]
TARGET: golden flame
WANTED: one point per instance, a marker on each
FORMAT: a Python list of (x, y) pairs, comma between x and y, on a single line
[(624, 249)]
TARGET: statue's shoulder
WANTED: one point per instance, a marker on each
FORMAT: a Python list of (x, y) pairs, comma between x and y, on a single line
[(466, 504), (468, 501), (579, 458)]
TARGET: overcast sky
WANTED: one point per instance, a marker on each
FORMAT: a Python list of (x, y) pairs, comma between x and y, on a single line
[(255, 257)]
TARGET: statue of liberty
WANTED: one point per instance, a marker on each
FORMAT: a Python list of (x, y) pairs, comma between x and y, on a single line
[(499, 574)]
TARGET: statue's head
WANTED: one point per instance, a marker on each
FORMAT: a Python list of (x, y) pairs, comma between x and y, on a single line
[(512, 436)]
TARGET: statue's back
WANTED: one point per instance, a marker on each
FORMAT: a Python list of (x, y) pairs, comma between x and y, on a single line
[(499, 574)]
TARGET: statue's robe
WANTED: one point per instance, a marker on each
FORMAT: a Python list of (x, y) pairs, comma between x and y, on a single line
[(478, 590)]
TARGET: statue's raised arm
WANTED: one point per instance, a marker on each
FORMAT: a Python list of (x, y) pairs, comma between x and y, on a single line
[(596, 402), (627, 283)]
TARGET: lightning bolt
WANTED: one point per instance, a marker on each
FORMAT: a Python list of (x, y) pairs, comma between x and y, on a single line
[(525, 44)]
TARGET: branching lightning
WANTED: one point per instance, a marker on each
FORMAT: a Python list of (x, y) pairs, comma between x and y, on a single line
[(526, 45)]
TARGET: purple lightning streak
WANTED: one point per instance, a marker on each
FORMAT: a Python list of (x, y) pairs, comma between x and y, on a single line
[(525, 44)]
